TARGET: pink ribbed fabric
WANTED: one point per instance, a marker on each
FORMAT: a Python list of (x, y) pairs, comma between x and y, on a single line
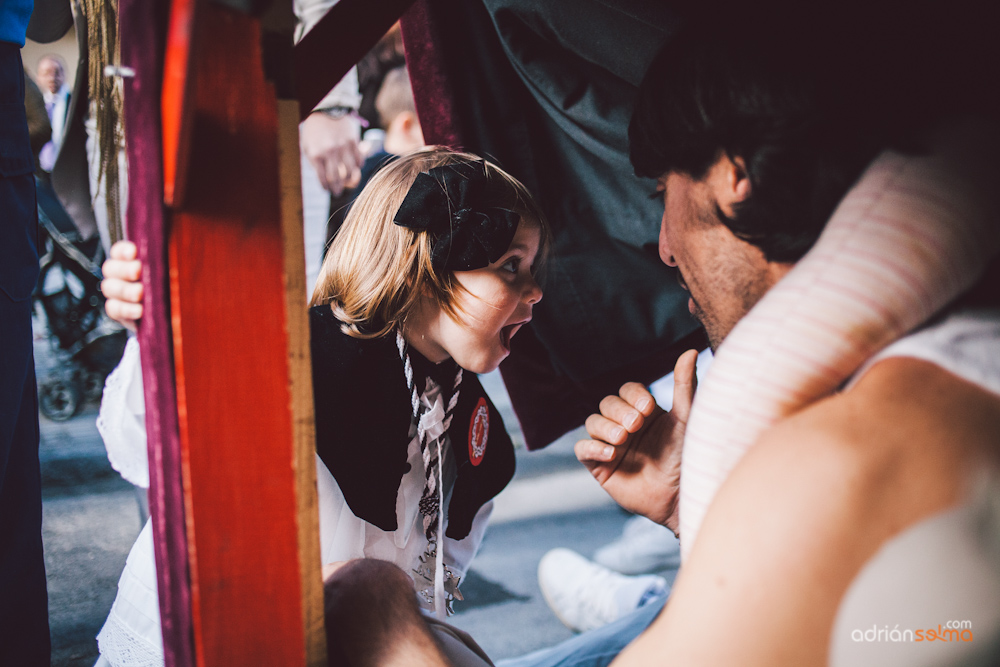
[(911, 235)]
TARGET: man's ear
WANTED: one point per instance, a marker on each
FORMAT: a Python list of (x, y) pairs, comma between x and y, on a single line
[(731, 183), (739, 179)]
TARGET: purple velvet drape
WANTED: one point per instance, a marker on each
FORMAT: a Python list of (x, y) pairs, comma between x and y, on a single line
[(142, 28), (432, 92)]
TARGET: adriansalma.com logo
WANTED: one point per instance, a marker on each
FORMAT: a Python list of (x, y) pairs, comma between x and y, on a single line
[(952, 631)]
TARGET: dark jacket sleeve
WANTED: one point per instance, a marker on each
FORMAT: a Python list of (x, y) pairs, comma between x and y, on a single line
[(50, 20)]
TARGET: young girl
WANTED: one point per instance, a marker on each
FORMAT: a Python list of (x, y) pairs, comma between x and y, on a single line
[(430, 277)]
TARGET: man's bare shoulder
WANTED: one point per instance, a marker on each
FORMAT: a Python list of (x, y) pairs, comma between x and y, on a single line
[(901, 405), (908, 437)]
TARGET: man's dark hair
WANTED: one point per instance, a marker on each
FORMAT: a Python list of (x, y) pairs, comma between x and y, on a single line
[(806, 109)]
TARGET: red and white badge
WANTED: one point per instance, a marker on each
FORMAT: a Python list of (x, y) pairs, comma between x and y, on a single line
[(479, 431)]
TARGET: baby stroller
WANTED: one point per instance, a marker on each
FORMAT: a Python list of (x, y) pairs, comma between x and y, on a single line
[(86, 343)]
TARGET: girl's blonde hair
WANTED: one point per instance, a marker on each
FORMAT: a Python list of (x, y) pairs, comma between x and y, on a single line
[(376, 271)]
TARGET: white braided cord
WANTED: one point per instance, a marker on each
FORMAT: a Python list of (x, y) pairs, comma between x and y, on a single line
[(430, 498), (431, 503), (408, 371)]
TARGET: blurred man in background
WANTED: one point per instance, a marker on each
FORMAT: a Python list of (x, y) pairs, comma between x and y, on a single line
[(51, 75)]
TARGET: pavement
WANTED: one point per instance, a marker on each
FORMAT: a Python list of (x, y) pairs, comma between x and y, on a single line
[(91, 517)]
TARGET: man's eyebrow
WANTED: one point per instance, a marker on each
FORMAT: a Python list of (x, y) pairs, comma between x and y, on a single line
[(517, 246)]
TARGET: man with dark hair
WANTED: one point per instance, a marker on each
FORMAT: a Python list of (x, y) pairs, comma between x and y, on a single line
[(751, 100), (755, 137), (734, 99)]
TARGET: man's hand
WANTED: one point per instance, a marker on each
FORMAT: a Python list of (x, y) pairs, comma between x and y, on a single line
[(121, 286), (635, 450), (331, 144)]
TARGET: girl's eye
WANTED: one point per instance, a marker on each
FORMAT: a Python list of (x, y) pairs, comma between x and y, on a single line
[(511, 265)]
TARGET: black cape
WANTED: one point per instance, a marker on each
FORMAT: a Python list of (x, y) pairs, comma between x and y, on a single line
[(363, 417)]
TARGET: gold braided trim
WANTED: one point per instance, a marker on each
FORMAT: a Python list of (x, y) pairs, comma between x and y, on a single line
[(106, 99)]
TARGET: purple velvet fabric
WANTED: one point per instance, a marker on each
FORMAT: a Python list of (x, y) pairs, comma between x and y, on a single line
[(143, 24), (432, 93)]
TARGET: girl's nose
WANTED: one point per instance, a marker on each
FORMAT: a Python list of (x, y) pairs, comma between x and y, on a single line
[(532, 293)]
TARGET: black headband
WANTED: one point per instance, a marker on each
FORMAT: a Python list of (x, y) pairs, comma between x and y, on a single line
[(448, 202)]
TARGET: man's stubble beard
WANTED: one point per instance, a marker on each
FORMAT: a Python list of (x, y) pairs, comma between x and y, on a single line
[(718, 331), (709, 214), (715, 337)]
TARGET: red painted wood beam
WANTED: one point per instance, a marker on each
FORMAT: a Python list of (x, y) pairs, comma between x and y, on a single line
[(231, 354), (176, 99)]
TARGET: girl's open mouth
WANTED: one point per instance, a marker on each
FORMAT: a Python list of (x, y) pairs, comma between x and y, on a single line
[(507, 333)]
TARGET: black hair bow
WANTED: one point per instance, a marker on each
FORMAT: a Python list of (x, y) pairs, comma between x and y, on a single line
[(449, 202)]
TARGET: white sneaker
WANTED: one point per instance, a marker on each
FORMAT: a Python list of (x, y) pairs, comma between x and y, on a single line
[(644, 547), (584, 595)]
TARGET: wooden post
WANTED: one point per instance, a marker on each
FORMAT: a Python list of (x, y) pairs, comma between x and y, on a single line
[(233, 492), (300, 368), (241, 355)]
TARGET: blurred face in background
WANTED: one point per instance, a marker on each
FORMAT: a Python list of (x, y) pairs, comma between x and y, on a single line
[(51, 75)]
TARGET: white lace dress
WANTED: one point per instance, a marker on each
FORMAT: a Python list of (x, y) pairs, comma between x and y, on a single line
[(131, 635)]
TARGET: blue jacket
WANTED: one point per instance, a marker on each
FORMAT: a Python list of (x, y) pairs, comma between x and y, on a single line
[(14, 15)]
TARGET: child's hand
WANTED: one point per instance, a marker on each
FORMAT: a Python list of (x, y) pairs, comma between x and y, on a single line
[(121, 286)]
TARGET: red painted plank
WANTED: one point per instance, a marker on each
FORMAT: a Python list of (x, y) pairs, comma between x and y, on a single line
[(176, 98), (231, 360)]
